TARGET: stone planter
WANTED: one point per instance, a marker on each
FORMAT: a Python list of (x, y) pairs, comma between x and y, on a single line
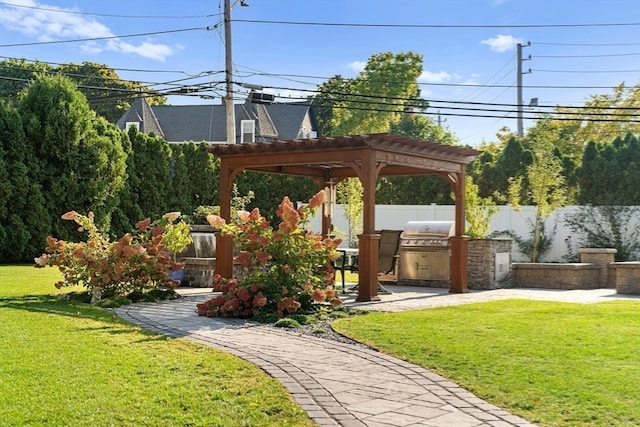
[(549, 275), (488, 263), (626, 277)]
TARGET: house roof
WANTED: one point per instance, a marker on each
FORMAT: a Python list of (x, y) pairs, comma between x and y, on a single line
[(141, 112), (179, 123)]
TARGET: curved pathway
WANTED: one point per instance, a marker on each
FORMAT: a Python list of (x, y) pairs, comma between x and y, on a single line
[(337, 384)]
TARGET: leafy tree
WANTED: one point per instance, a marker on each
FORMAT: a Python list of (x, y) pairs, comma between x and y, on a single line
[(423, 189), (108, 95), (512, 162), (350, 196), (24, 222), (81, 163), (545, 190), (180, 197), (330, 97), (127, 211), (150, 176), (478, 211), (610, 173), (601, 118), (17, 74), (424, 128), (270, 188), (373, 100), (203, 175), (609, 180)]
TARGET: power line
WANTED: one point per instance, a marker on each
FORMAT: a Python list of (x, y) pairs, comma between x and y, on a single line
[(586, 44), (587, 56), (342, 24), (73, 12), (587, 71), (106, 37), (106, 67), (466, 85)]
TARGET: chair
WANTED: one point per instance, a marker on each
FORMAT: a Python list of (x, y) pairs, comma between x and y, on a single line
[(387, 257), (388, 251)]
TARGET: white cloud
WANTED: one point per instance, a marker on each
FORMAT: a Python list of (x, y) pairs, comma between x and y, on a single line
[(49, 23), (357, 66), (439, 77), (502, 43), (157, 52)]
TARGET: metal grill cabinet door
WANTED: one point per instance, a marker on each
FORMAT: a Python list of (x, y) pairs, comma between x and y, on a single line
[(424, 265)]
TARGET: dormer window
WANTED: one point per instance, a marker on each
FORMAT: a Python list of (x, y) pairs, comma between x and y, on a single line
[(130, 125), (248, 128)]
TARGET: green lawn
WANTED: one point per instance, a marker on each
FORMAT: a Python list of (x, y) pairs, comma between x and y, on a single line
[(66, 363), (555, 364)]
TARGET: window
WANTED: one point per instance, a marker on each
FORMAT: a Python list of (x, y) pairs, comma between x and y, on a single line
[(132, 124), (248, 128)]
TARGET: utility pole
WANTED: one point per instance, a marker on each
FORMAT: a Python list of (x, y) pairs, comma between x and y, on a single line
[(519, 74), (228, 76)]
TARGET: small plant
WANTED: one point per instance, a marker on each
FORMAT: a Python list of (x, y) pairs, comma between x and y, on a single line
[(177, 234), (288, 323), (303, 319)]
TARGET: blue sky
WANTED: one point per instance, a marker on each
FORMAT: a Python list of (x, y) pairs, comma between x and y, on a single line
[(468, 47)]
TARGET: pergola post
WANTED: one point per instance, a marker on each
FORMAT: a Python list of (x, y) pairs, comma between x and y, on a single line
[(459, 242), (368, 241), (224, 245)]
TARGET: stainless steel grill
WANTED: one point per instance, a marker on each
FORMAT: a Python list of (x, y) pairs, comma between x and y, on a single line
[(424, 250)]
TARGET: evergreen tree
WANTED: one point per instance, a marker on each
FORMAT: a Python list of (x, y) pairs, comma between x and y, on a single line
[(81, 162), (180, 198), (24, 223), (150, 179), (203, 175)]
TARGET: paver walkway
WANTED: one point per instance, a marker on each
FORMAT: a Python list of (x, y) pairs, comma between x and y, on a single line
[(343, 384)]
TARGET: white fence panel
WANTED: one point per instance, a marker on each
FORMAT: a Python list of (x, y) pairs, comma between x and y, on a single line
[(395, 217)]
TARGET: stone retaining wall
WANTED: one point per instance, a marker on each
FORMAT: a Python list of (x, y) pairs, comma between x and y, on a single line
[(625, 277), (555, 275), (596, 270)]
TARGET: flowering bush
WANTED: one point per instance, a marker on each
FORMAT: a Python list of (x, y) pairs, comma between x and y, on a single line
[(135, 262), (290, 267)]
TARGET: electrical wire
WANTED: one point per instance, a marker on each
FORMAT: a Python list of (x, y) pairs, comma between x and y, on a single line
[(73, 12), (152, 33), (342, 24)]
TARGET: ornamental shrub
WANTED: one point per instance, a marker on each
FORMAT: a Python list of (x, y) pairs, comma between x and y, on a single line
[(290, 268), (134, 262)]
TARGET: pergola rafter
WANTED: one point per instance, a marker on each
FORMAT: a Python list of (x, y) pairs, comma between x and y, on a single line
[(329, 160)]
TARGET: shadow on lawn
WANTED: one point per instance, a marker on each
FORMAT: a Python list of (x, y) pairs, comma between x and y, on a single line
[(48, 304)]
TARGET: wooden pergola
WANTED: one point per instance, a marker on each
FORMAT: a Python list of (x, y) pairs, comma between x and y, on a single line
[(329, 160)]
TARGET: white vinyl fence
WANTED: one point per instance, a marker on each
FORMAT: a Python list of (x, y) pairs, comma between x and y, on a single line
[(395, 217)]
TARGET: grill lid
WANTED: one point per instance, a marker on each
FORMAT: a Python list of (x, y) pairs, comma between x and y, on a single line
[(428, 230)]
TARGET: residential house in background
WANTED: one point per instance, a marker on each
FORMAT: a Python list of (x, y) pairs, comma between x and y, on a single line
[(257, 120)]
